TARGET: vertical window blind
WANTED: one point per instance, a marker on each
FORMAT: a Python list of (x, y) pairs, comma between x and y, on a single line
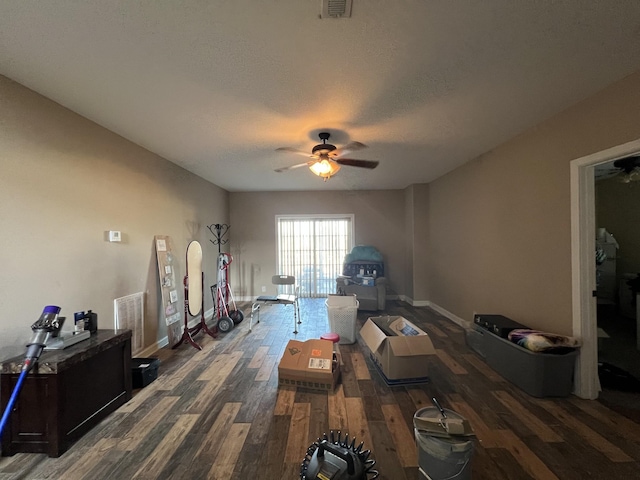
[(313, 249)]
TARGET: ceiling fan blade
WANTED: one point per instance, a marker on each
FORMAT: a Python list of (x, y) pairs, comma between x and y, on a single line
[(628, 175), (351, 162), (294, 150), (291, 167), (349, 147)]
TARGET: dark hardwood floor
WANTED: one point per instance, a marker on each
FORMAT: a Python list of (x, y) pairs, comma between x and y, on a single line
[(218, 413)]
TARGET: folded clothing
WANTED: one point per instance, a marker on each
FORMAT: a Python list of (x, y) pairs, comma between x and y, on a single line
[(544, 342)]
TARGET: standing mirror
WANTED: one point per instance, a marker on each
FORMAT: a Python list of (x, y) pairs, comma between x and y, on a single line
[(194, 276)]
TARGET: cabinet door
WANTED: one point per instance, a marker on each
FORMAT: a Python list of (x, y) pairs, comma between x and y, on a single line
[(28, 429)]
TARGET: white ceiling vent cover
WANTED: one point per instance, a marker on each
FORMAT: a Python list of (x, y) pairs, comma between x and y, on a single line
[(336, 9)]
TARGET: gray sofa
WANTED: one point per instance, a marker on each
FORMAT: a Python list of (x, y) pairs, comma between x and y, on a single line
[(369, 297), (363, 275)]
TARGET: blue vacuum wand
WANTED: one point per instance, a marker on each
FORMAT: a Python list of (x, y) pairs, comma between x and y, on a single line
[(47, 325)]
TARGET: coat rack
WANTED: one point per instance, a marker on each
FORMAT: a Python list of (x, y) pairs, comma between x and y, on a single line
[(218, 231)]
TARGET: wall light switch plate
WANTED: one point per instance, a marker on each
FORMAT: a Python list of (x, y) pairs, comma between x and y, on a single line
[(114, 236)]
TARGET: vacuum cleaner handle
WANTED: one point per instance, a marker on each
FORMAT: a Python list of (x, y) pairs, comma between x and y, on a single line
[(338, 452), (48, 324), (439, 407)]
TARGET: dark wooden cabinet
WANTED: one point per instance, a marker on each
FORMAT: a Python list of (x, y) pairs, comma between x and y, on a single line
[(67, 393)]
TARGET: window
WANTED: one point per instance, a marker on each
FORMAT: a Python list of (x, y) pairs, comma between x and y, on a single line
[(312, 248)]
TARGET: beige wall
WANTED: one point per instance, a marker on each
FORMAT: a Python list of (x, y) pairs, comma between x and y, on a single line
[(496, 231), (500, 225), (64, 182), (493, 236), (417, 240), (379, 221), (409, 214), (421, 243)]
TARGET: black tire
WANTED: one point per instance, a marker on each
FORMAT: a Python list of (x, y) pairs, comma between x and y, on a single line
[(236, 315), (225, 324)]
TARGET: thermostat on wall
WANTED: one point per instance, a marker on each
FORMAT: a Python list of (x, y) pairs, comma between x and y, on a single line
[(114, 236)]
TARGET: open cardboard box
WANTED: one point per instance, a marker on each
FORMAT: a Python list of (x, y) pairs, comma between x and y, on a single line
[(399, 348), (311, 364)]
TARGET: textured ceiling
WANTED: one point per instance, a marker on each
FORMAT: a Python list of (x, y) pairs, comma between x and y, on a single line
[(217, 86)]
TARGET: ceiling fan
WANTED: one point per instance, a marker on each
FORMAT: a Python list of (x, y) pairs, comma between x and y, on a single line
[(326, 159), (630, 168)]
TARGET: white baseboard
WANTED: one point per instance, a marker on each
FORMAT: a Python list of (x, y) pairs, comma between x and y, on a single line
[(446, 313), (414, 303), (428, 303), (151, 349), (252, 299), (411, 301), (164, 341), (245, 298), (421, 303)]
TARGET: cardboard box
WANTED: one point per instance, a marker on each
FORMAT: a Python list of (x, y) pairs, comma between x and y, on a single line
[(474, 335), (399, 348), (311, 364)]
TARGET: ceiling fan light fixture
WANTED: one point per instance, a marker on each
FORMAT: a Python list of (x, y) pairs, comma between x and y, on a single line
[(324, 168), (327, 158)]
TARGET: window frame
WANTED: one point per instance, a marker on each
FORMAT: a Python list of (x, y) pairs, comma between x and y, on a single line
[(349, 217)]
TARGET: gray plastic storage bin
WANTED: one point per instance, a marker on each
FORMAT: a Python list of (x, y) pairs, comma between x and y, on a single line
[(475, 339), (498, 324), (538, 374)]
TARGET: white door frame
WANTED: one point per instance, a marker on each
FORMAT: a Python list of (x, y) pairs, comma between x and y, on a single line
[(583, 268)]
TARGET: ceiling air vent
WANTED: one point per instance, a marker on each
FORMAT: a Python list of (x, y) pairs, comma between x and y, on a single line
[(336, 9)]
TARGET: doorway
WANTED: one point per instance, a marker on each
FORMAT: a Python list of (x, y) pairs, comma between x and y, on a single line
[(617, 200), (583, 262), (312, 248)]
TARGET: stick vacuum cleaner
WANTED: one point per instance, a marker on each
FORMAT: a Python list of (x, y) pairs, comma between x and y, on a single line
[(47, 325), (334, 458)]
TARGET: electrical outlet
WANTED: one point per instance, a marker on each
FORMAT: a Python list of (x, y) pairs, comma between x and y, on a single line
[(264, 288)]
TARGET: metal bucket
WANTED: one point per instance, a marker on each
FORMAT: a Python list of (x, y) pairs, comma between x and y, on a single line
[(443, 458)]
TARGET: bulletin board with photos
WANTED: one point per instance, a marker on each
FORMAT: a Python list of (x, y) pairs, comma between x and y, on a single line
[(169, 287)]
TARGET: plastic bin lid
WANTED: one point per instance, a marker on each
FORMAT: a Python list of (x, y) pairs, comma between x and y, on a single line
[(438, 440), (432, 413), (145, 362)]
